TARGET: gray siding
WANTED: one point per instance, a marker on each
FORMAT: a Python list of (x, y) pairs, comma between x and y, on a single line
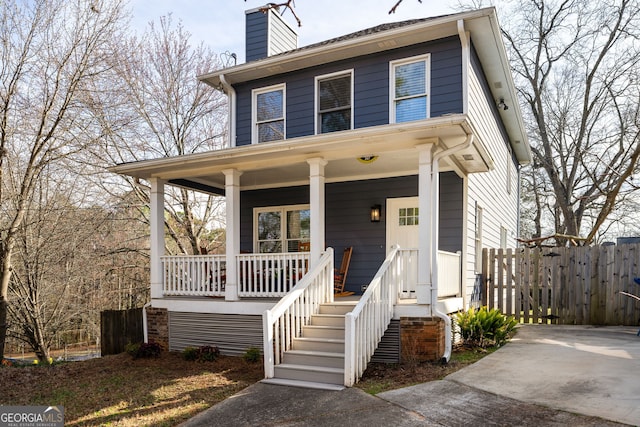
[(282, 37), (389, 348), (233, 334), (371, 88), (347, 217)]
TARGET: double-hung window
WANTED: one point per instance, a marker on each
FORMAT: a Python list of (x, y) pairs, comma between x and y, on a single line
[(409, 89), (281, 228), (334, 102), (268, 114)]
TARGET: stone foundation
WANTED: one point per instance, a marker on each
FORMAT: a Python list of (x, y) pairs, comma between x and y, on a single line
[(158, 326), (422, 339)]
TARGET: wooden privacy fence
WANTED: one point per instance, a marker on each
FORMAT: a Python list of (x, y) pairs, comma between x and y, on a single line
[(118, 328), (575, 285)]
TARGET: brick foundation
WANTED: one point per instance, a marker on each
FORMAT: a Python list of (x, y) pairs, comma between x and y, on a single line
[(422, 338), (158, 326)]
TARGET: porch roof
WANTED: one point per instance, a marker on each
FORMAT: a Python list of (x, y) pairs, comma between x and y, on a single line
[(284, 163)]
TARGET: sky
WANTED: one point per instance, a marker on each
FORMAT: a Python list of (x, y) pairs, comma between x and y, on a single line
[(220, 23)]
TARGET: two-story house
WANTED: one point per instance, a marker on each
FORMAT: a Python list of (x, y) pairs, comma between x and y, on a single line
[(402, 142)]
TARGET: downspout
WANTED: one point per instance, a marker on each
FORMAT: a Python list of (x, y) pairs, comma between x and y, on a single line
[(145, 329), (435, 235), (229, 90)]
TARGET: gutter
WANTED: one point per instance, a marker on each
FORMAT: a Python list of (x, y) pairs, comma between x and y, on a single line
[(229, 90), (435, 183)]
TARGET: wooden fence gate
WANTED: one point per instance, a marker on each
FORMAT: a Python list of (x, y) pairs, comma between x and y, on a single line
[(119, 328), (574, 285)]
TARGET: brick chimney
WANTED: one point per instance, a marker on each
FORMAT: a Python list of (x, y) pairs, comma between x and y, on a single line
[(266, 34)]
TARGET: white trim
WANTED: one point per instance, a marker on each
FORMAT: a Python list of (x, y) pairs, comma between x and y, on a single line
[(426, 58), (466, 63), (254, 110), (156, 225), (316, 100), (283, 223)]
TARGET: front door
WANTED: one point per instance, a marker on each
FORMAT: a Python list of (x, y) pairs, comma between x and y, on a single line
[(402, 230)]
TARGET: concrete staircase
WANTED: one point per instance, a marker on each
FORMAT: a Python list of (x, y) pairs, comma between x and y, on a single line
[(316, 359)]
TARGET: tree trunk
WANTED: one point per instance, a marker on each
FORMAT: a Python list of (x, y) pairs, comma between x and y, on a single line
[(3, 324)]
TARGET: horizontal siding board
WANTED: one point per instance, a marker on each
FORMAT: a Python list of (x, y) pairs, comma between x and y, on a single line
[(371, 88), (231, 333), (347, 218), (388, 350), (256, 36)]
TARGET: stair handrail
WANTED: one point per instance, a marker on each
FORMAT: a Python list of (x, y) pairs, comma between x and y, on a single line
[(284, 321), (366, 323)]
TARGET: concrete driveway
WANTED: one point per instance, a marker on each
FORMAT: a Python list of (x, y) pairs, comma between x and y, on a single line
[(546, 376)]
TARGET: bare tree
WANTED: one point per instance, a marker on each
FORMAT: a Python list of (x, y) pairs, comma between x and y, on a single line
[(575, 63), (50, 50), (162, 110)]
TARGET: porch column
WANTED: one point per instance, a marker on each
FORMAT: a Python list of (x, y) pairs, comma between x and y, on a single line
[(232, 196), (317, 207), (156, 201), (425, 218)]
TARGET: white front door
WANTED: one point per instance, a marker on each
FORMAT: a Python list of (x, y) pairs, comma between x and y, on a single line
[(402, 223), (402, 230)]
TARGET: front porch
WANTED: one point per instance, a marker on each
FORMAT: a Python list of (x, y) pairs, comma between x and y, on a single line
[(273, 275)]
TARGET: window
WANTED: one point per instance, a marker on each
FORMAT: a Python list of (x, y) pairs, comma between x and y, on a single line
[(281, 227), (504, 234), (407, 216), (409, 89), (333, 105), (268, 114)]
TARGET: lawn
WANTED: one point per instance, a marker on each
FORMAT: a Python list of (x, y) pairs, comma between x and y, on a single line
[(165, 391), (120, 391)]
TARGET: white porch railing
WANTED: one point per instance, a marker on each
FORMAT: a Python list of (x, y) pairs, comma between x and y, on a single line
[(259, 275), (270, 275), (194, 275), (367, 322), (449, 273), (284, 321)]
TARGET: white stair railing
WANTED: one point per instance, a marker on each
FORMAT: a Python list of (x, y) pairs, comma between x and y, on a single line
[(285, 320), (366, 323)]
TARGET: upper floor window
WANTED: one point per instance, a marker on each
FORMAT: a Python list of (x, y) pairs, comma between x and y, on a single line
[(334, 104), (268, 114), (410, 89)]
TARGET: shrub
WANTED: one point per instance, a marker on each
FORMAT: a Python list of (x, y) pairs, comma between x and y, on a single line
[(144, 350), (252, 355), (485, 328), (205, 353), (190, 353), (208, 353)]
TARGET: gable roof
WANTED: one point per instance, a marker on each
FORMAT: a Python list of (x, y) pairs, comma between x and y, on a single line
[(481, 24)]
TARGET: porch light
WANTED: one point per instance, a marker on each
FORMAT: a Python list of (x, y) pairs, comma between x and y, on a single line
[(375, 213)]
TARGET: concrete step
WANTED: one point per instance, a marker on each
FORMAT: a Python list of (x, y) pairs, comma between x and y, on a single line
[(303, 384), (330, 345), (327, 319), (318, 374), (313, 331), (314, 358), (337, 307)]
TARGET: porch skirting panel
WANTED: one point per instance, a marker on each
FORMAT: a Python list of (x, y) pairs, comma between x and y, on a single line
[(231, 333), (388, 350)]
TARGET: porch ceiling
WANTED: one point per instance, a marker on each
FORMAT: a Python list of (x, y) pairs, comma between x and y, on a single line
[(284, 163)]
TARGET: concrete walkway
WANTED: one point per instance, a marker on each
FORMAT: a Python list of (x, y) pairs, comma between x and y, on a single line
[(547, 376)]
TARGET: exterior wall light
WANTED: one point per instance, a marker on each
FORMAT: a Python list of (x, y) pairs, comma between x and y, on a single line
[(376, 211)]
